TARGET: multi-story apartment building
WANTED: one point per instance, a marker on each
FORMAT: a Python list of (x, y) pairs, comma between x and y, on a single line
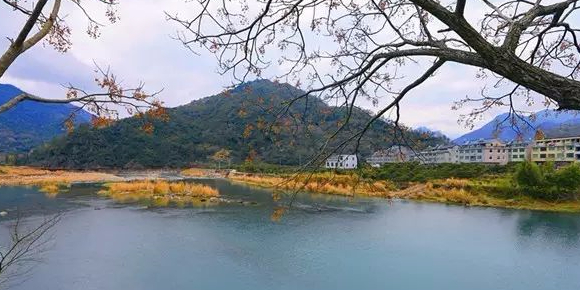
[(492, 151), (483, 151), (560, 150), (438, 154), (394, 154), (471, 151), (519, 151), (342, 162)]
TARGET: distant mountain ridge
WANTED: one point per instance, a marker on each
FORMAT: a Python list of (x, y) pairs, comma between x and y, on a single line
[(30, 124), (234, 120), (551, 122)]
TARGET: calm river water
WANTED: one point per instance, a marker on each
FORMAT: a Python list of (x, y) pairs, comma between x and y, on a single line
[(321, 243)]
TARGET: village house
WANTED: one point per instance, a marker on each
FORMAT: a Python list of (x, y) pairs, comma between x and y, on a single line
[(342, 162), (394, 154)]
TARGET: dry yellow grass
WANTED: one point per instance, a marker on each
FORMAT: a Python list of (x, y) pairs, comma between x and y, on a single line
[(195, 172), (455, 191), (20, 175), (347, 185), (159, 192), (461, 195)]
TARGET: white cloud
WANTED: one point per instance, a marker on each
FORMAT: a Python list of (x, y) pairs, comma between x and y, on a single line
[(140, 48)]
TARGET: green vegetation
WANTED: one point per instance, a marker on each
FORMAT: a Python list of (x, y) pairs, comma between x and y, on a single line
[(261, 167), (548, 183), (543, 182), (243, 121), (417, 172)]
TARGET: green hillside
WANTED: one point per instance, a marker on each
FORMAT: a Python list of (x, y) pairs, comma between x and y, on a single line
[(240, 120)]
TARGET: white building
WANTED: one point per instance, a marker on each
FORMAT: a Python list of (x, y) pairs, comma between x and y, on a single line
[(394, 154), (483, 151), (342, 162), (439, 154)]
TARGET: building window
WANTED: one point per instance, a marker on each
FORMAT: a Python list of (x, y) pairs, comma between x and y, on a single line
[(542, 155)]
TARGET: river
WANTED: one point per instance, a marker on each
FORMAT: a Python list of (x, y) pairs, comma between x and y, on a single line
[(321, 243)]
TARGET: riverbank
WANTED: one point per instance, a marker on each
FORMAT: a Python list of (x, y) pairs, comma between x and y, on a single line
[(469, 192), (50, 181), (325, 183), (160, 193), (494, 191)]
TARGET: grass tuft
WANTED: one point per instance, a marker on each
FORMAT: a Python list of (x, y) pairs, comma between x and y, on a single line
[(159, 193)]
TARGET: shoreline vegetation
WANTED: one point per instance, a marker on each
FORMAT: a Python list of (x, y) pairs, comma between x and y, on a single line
[(515, 186), (160, 193), (50, 182), (449, 191), (467, 186)]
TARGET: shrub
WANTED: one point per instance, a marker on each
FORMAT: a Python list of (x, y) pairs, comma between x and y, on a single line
[(567, 181), (546, 182), (529, 175), (416, 172)]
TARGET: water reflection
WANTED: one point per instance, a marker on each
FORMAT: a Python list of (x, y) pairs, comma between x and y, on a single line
[(28, 201), (558, 227), (323, 242)]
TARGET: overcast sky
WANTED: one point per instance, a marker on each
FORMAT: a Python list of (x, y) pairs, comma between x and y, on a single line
[(140, 48)]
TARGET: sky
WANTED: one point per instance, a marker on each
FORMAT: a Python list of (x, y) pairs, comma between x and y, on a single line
[(141, 47)]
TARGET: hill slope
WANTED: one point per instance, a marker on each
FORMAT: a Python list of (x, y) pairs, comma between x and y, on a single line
[(236, 120), (30, 124), (552, 123)]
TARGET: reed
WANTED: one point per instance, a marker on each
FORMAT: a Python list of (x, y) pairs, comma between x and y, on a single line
[(489, 192), (347, 185), (196, 172), (22, 175), (159, 193)]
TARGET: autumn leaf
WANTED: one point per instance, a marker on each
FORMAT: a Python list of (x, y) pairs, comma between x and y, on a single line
[(277, 214), (101, 122), (148, 128), (248, 130)]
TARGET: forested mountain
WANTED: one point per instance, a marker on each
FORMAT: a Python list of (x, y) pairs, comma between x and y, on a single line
[(30, 124), (241, 120), (553, 123)]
